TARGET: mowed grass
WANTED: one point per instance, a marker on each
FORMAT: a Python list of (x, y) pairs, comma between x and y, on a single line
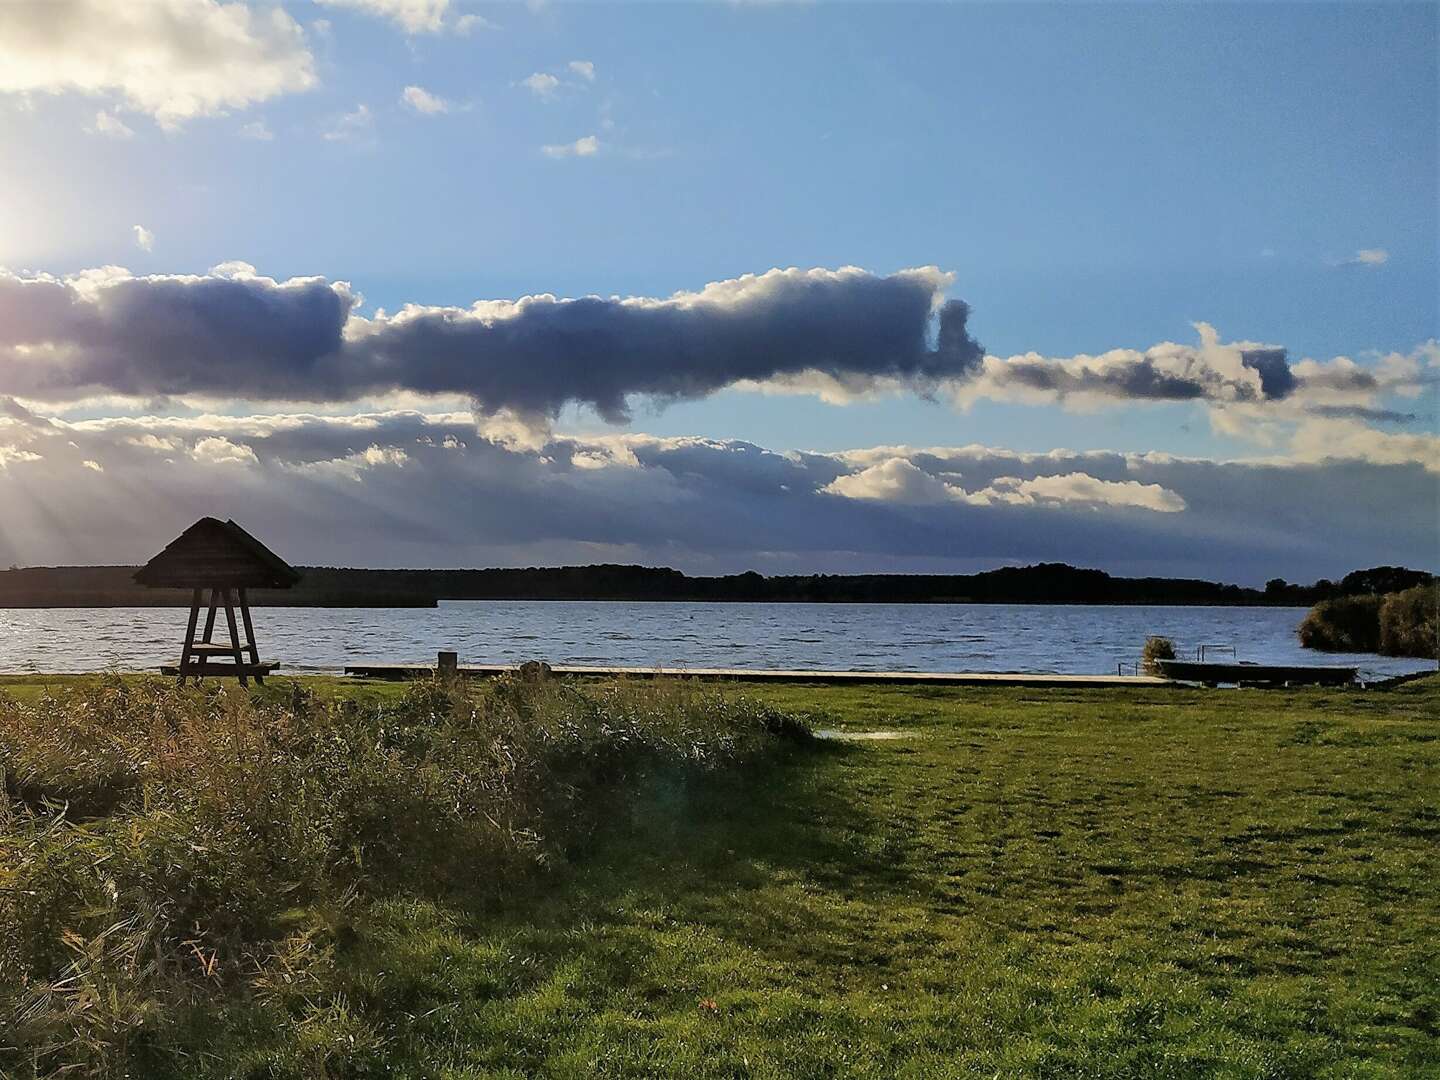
[(1033, 883)]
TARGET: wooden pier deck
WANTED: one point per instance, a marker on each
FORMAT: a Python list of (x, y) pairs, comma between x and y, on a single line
[(940, 678)]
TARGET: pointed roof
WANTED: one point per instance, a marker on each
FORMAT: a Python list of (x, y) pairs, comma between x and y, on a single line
[(218, 554)]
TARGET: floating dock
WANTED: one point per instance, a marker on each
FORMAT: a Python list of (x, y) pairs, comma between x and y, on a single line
[(1243, 673), (395, 672)]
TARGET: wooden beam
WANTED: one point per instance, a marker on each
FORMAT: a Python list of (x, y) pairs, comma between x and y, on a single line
[(234, 638), (210, 618), (250, 634), (189, 633)]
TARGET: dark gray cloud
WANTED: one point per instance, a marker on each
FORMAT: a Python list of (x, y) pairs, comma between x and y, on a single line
[(1361, 412), (540, 354), (1273, 367), (235, 335), (1131, 378), (404, 489), (238, 335)]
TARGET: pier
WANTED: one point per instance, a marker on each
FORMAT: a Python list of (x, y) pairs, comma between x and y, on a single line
[(396, 672)]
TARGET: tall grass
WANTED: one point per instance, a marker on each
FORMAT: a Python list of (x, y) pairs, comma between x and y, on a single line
[(1156, 648), (167, 852), (1396, 624)]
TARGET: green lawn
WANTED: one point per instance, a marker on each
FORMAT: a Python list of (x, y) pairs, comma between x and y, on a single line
[(1030, 883)]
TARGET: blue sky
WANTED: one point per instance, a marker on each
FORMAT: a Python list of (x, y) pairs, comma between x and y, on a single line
[(1094, 177)]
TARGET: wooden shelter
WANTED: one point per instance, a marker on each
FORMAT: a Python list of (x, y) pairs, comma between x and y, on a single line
[(222, 557)]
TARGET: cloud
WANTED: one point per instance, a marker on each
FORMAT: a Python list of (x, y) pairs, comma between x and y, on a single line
[(1210, 371), (1346, 439), (14, 455), (541, 84), (111, 126), (846, 334), (1078, 488), (217, 450), (1369, 257), (584, 68), (233, 333), (588, 146), (894, 480), (1218, 374), (258, 130), (109, 332), (423, 102), (467, 24), (900, 480), (171, 59), (412, 16), (362, 490), (144, 238), (358, 125)]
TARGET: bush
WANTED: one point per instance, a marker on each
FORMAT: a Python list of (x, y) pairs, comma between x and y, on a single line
[(1156, 648), (1399, 624), (1410, 622), (159, 846), (1343, 624)]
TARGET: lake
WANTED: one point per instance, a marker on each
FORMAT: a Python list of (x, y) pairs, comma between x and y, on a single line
[(866, 637)]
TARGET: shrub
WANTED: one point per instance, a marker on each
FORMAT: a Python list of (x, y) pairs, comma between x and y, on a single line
[(1156, 648), (158, 845), (1343, 624), (1410, 622)]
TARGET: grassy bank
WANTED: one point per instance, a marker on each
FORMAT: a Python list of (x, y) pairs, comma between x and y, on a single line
[(1058, 883)]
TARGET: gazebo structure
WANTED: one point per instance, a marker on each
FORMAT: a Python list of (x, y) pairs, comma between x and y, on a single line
[(222, 557)]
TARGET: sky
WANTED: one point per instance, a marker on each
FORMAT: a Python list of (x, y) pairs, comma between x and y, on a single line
[(793, 287)]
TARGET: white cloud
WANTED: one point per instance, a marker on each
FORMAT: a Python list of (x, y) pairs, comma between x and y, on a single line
[(14, 455), (894, 480), (584, 68), (258, 130), (584, 147), (1081, 489), (144, 238), (413, 16), (423, 102), (1321, 440), (93, 466), (899, 480), (1370, 257), (111, 126), (172, 59), (218, 450), (541, 84), (357, 125), (466, 24)]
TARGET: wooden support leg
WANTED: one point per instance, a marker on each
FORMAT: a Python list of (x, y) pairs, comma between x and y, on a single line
[(234, 636), (203, 660), (250, 633), (189, 632)]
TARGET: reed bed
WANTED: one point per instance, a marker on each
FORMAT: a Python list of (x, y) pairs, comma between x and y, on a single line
[(174, 860)]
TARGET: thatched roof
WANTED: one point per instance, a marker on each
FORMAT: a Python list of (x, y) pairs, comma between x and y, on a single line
[(218, 554)]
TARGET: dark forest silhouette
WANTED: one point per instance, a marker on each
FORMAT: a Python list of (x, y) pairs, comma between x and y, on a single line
[(1046, 583)]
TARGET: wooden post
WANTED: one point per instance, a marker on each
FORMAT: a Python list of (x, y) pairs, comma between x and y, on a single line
[(189, 633), (234, 637), (250, 634), (447, 664), (210, 617)]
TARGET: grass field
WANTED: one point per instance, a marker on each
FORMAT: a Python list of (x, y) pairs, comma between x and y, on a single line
[(1154, 883)]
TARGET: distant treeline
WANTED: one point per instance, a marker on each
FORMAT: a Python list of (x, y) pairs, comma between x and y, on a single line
[(1046, 583)]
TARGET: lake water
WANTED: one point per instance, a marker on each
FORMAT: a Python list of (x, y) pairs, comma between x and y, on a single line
[(901, 637)]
